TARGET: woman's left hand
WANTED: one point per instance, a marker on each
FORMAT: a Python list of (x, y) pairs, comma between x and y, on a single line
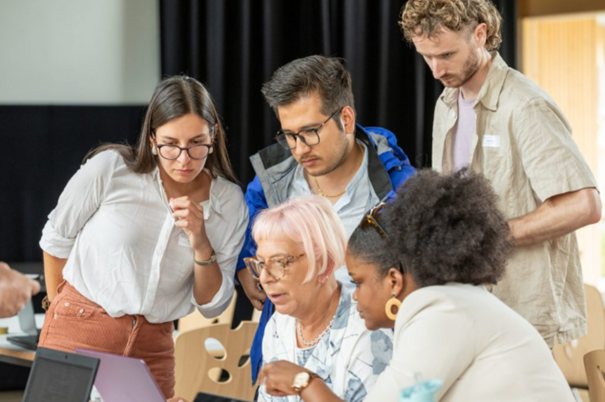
[(279, 376), (190, 217)]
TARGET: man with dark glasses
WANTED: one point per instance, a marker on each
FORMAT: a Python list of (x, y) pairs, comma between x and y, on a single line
[(320, 150)]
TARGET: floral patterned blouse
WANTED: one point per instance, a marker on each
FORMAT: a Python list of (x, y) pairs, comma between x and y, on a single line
[(348, 359)]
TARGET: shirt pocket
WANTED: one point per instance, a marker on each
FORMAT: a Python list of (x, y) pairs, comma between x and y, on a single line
[(498, 167), (496, 158)]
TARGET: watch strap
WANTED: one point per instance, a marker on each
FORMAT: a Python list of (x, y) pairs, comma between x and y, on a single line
[(209, 261)]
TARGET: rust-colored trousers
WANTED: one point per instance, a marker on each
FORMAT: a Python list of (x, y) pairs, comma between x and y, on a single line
[(72, 321)]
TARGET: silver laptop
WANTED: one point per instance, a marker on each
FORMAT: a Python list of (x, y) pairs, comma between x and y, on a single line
[(123, 378)]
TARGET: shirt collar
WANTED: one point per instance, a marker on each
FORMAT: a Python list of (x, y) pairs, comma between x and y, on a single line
[(215, 203), (490, 90), (361, 170)]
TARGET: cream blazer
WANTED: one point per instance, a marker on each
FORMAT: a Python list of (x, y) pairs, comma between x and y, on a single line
[(481, 349)]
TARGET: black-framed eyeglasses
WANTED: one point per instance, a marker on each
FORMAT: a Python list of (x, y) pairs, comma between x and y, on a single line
[(172, 152), (276, 267), (372, 218), (308, 136)]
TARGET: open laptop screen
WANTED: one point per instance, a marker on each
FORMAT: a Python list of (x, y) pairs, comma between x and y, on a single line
[(61, 377)]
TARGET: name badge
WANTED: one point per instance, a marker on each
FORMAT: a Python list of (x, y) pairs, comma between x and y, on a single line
[(184, 240), (491, 141)]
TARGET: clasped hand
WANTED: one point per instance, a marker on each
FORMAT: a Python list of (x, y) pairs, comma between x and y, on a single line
[(190, 217)]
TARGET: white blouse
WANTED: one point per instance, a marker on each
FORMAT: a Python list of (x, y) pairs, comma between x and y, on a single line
[(479, 347), (124, 252)]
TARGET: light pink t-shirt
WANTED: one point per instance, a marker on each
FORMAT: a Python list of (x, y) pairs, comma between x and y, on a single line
[(464, 130)]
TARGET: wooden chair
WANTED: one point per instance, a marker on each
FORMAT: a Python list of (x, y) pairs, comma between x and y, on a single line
[(595, 363), (256, 314), (223, 372), (570, 356), (197, 320)]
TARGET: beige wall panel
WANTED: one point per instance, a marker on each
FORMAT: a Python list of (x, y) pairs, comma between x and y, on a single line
[(532, 8), (560, 55)]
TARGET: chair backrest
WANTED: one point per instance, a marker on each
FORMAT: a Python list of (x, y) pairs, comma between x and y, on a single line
[(595, 364), (197, 320), (202, 366), (256, 314), (570, 356)]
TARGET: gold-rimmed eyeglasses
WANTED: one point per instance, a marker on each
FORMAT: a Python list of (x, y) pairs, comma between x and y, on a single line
[(276, 266)]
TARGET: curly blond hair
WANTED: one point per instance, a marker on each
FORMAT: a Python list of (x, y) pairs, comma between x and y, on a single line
[(428, 17)]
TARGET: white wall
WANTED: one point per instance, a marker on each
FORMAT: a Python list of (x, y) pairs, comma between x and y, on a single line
[(79, 51)]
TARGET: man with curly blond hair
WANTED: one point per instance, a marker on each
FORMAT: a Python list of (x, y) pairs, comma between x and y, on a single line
[(496, 121)]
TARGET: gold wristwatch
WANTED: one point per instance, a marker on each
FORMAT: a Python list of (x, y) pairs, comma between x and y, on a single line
[(302, 381), (45, 303)]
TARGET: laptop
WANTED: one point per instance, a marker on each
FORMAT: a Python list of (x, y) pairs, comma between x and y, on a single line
[(27, 322), (60, 377), (129, 379), (123, 378)]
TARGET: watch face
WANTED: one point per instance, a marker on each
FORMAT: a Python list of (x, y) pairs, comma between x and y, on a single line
[(301, 380)]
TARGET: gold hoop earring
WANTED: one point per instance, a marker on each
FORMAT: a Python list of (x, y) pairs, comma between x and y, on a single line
[(154, 151), (388, 307)]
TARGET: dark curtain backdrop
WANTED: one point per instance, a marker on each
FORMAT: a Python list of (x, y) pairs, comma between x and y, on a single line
[(234, 46), (42, 147)]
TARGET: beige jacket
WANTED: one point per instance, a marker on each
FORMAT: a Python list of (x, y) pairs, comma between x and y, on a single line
[(523, 145)]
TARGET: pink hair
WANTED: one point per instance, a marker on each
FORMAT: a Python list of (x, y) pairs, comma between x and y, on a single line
[(311, 222)]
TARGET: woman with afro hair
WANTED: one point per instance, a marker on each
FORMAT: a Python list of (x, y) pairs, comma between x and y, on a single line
[(423, 266)]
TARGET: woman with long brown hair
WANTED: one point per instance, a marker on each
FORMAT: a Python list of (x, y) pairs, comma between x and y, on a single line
[(141, 236)]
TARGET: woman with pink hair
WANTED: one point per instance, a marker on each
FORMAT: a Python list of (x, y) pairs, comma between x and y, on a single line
[(316, 326)]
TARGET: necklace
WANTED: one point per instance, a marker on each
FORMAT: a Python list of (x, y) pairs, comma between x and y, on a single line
[(316, 340), (322, 193)]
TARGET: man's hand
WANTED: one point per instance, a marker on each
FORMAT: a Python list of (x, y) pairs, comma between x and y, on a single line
[(15, 290), (257, 297)]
